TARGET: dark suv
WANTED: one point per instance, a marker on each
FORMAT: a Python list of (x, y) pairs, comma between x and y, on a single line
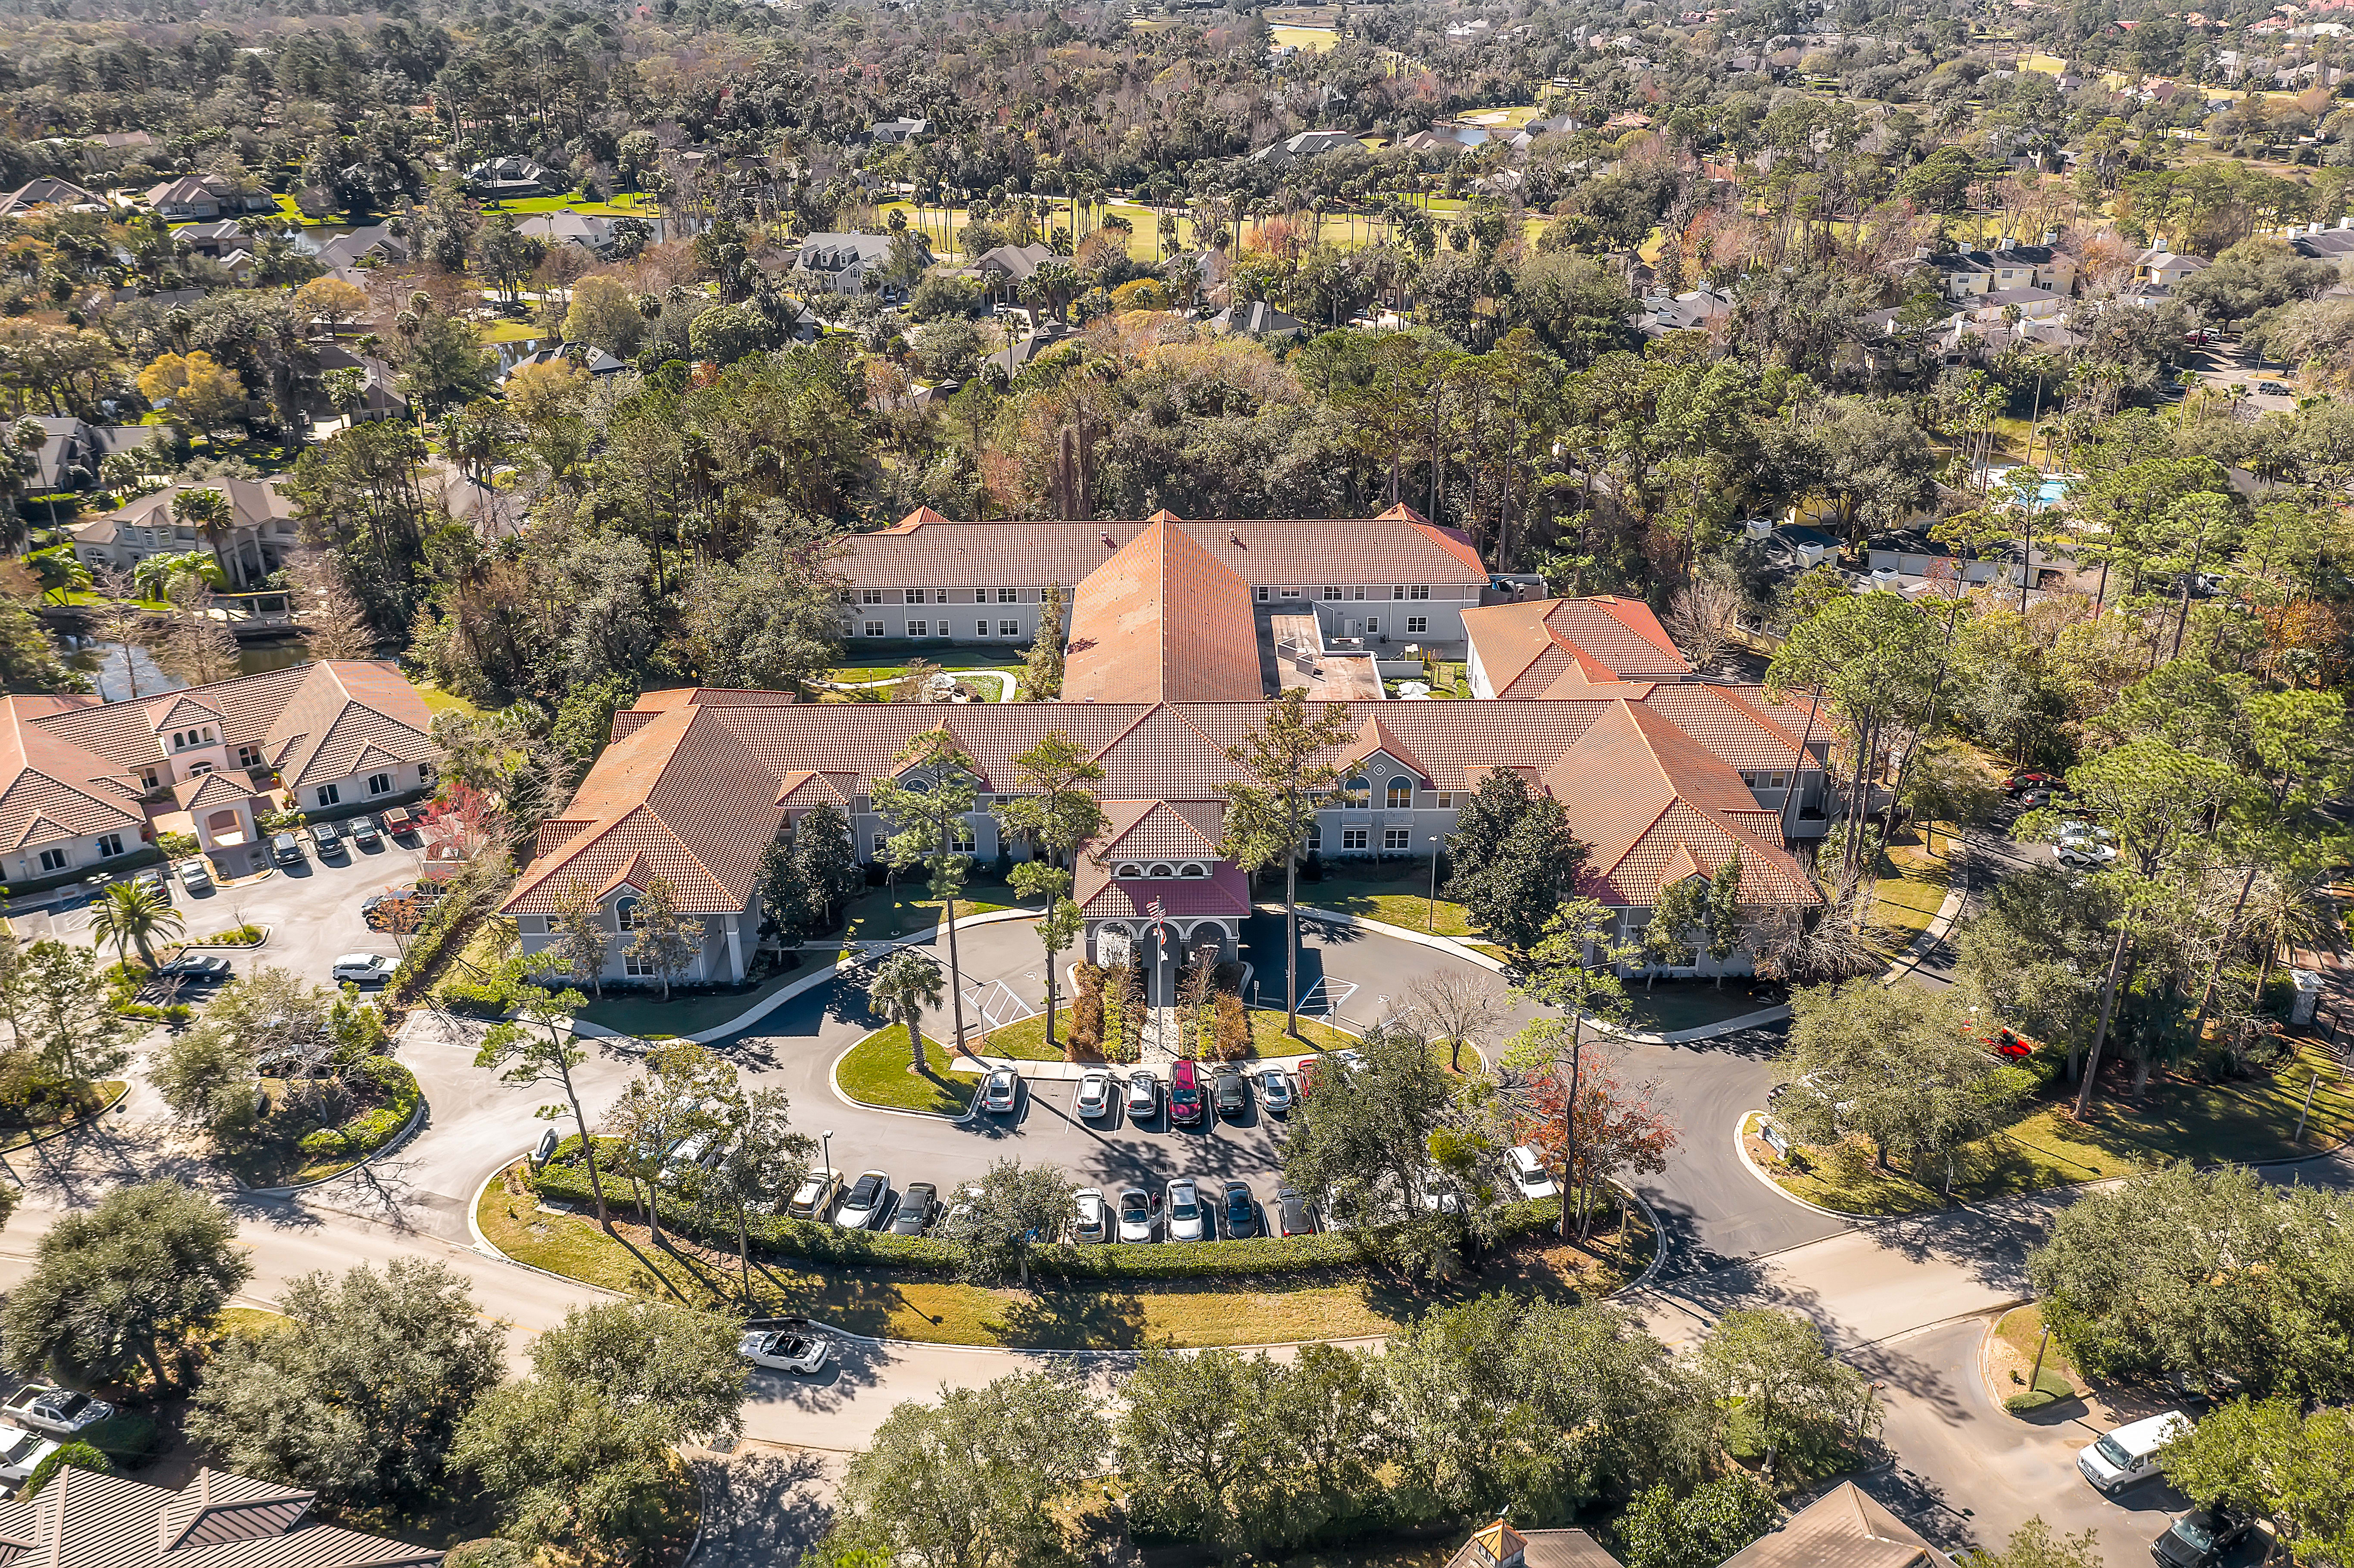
[(1229, 1093), (2200, 1538)]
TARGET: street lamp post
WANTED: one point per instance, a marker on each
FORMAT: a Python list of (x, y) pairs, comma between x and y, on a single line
[(826, 1158), (1431, 923)]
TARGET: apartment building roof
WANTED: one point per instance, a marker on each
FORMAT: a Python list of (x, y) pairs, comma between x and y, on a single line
[(251, 504), (696, 783), (85, 1520), (1548, 647), (312, 722), (926, 550), (1845, 1527), (54, 789), (1161, 620)]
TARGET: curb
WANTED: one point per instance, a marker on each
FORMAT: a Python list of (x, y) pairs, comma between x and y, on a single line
[(1741, 1147), (205, 947), (1448, 945), (407, 1131), (1940, 926), (833, 1081), (807, 983), (74, 1126)]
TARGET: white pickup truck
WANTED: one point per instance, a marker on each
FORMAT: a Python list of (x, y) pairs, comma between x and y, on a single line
[(60, 1412)]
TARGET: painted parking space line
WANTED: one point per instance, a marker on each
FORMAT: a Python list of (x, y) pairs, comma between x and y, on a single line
[(999, 1004), (1328, 995)]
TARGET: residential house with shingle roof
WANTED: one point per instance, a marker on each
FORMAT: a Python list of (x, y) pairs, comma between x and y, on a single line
[(1845, 1526), (47, 191), (260, 538), (87, 776), (85, 1520)]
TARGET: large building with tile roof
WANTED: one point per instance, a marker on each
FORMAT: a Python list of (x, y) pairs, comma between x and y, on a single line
[(85, 1520), (81, 780), (1179, 633)]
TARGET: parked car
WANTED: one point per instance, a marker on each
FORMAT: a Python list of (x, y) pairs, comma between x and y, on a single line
[(1304, 1079), (784, 1351), (813, 1199), (399, 820), (2128, 1456), (1185, 1103), (1187, 1223), (60, 1412), (152, 883), (1230, 1094), (919, 1205), (2200, 1539), (195, 875), (1292, 1215), (1143, 1094), (361, 968), (329, 840), (966, 1197), (1090, 1216), (2030, 784), (1241, 1213), (999, 1090), (365, 835), (1095, 1097), (201, 969), (863, 1205), (286, 849), (1529, 1173), (1274, 1090), (1135, 1215), (21, 1453), (1438, 1194)]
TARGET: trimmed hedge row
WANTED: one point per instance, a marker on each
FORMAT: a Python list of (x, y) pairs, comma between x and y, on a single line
[(566, 1180), (371, 1130), (450, 919)]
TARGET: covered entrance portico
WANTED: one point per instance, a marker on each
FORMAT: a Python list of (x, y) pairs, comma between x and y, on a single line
[(1164, 948)]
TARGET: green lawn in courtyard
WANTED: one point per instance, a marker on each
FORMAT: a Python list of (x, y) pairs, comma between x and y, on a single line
[(648, 1017)]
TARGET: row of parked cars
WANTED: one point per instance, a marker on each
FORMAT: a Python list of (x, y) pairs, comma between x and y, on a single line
[(1195, 1091), (327, 838)]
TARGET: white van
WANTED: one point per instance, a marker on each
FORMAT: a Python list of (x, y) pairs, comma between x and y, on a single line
[(2129, 1455)]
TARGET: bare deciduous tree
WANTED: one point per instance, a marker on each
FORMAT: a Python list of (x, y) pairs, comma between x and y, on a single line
[(1458, 1006), (334, 625), (1701, 618)]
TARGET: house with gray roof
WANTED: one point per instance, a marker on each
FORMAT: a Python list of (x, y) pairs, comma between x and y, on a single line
[(1305, 145)]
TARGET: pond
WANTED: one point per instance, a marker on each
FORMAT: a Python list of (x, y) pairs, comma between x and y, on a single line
[(113, 680)]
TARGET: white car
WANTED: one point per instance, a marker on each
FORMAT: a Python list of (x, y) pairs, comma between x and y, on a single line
[(195, 875), (1090, 1216), (815, 1195), (1274, 1088), (864, 1203), (1438, 1196), (361, 968), (1529, 1173), (1095, 1096), (2085, 853), (1188, 1221), (781, 1351), (1135, 1215), (20, 1452), (1143, 1094)]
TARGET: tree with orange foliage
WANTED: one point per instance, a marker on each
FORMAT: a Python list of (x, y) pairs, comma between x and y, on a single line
[(1614, 1127)]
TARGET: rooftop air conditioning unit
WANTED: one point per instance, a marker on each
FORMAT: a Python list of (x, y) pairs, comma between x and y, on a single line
[(1758, 527), (1813, 555)]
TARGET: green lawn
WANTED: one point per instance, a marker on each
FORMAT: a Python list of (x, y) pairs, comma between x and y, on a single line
[(1025, 1041), (1912, 888), (648, 1017), (625, 205), (1397, 893), (437, 701), (1671, 1005), (876, 1073), (1268, 1039), (1339, 1303), (882, 913), (2246, 1121), (512, 332), (100, 1098)]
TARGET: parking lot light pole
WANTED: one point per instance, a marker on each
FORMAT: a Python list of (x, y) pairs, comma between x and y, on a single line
[(826, 1158)]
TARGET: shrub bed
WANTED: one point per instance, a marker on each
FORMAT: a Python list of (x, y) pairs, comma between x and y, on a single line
[(452, 920), (564, 1179), (371, 1130)]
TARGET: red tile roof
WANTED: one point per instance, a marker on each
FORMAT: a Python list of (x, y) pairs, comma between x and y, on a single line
[(51, 789), (924, 550), (1101, 896), (1553, 647), (1160, 830), (85, 1520), (1162, 620)]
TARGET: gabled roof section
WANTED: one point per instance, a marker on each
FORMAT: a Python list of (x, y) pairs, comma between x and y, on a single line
[(1375, 736), (51, 789), (343, 717), (1846, 1527), (681, 798), (1160, 830), (1162, 620), (1622, 634), (84, 1520)]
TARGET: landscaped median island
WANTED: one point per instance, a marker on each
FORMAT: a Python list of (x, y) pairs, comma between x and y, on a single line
[(1109, 1296), (2247, 1121), (72, 1105), (2025, 1371)]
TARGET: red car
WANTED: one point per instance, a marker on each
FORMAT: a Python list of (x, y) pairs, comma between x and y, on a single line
[(2007, 1043), (2031, 783), (1305, 1075)]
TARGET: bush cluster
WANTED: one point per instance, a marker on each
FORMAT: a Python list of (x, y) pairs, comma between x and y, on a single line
[(566, 1180), (1087, 1014), (490, 999), (1230, 1031), (448, 921), (370, 1130)]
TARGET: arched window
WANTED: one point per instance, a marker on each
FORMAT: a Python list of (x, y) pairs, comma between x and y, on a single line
[(1192, 868), (1356, 795), (1161, 868), (625, 913), (1401, 794), (1128, 871)]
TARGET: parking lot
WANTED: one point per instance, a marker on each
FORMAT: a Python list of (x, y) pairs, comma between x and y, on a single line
[(312, 910)]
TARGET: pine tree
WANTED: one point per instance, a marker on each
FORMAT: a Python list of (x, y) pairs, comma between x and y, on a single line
[(1041, 671)]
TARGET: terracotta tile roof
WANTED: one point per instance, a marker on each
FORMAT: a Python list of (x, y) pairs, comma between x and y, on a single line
[(1162, 620), (209, 789), (923, 551), (1552, 647), (346, 718), (1729, 725), (1160, 830), (1101, 896), (51, 789), (682, 797), (84, 1520), (1845, 1527), (1376, 736)]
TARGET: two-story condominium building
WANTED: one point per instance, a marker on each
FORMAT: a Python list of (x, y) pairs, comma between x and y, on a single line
[(81, 780), (1172, 656)]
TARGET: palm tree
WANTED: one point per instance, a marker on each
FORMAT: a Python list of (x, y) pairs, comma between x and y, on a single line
[(206, 511), (131, 916), (907, 983)]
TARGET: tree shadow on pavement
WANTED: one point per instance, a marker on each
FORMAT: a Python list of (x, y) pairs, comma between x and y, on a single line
[(765, 1508), (1921, 1503)]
